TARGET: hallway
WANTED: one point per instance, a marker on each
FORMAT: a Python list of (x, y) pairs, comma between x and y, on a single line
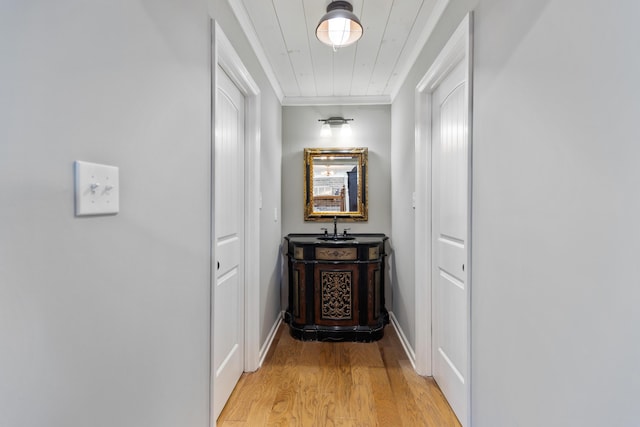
[(336, 384)]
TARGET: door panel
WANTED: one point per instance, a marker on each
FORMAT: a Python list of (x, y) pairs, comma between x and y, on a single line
[(228, 311), (337, 294), (450, 223)]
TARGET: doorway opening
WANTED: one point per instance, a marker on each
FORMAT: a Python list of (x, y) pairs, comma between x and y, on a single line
[(226, 64), (443, 220)]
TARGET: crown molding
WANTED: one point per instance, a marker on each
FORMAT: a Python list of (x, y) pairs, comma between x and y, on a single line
[(237, 6), (335, 100)]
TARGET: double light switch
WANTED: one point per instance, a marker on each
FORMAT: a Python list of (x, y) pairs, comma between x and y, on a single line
[(97, 189)]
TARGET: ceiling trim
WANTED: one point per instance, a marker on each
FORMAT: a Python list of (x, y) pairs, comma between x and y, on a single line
[(335, 100), (237, 6), (434, 18)]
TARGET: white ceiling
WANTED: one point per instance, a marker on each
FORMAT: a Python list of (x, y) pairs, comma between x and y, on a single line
[(304, 71)]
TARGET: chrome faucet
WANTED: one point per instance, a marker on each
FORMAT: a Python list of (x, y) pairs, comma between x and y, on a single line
[(335, 227)]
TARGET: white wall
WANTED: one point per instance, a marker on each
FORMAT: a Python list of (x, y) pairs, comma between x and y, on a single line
[(270, 226), (371, 128), (104, 321), (555, 231)]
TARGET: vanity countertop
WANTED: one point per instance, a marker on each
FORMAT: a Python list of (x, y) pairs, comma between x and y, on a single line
[(314, 239)]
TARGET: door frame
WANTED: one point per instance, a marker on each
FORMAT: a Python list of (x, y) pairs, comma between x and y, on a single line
[(225, 56), (458, 48)]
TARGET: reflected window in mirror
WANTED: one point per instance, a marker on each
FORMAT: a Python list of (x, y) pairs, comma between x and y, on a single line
[(335, 184)]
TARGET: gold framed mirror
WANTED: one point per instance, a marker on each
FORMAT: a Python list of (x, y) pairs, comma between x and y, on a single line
[(335, 184)]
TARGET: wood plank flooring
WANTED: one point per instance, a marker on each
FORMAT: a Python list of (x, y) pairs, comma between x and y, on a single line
[(321, 384)]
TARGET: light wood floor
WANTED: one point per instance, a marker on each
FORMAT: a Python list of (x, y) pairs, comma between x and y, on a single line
[(320, 384)]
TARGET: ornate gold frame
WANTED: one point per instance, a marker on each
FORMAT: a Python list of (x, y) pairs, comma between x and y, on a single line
[(363, 184)]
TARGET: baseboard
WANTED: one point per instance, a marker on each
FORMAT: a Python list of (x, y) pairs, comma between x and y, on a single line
[(411, 354), (267, 344)]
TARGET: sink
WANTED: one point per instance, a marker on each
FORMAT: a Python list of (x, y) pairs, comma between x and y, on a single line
[(338, 238)]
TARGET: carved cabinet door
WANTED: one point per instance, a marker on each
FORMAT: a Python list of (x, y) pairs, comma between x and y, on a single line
[(336, 294)]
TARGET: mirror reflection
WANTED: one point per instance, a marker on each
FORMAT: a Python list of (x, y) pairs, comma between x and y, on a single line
[(335, 183)]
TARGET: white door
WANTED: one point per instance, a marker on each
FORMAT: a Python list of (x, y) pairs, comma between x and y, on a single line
[(450, 190), (228, 310)]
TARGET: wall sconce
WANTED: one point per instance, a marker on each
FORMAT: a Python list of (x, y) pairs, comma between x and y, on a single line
[(339, 26), (345, 127)]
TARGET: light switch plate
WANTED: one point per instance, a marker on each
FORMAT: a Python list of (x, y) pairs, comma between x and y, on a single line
[(97, 189)]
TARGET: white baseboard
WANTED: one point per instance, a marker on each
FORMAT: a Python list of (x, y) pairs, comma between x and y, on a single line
[(267, 344), (411, 354)]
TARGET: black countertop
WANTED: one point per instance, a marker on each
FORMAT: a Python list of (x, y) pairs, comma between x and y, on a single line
[(358, 239)]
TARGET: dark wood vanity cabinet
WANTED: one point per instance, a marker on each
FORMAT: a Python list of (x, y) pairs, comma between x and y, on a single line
[(336, 287)]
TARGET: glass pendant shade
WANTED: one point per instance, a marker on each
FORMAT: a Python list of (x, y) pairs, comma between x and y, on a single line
[(339, 122), (345, 130), (339, 26), (325, 130)]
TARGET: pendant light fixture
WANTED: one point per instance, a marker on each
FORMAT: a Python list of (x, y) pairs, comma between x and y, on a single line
[(339, 26), (345, 127)]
